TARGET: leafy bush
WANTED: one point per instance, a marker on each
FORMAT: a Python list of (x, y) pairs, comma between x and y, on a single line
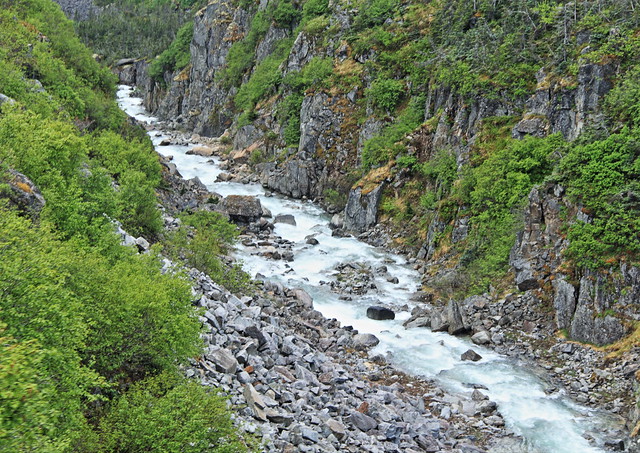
[(313, 8), (209, 237), (603, 176), (285, 14), (385, 93), (241, 54), (170, 414), (375, 12)]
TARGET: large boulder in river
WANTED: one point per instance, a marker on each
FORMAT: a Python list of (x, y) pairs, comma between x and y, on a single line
[(380, 313), (285, 218), (242, 208)]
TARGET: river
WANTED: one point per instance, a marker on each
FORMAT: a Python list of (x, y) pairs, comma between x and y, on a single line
[(548, 423)]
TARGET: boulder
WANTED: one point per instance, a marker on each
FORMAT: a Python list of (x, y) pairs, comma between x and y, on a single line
[(285, 218), (481, 337), (23, 193), (242, 208), (365, 341), (455, 318), (223, 360), (380, 313), (200, 150), (471, 355), (363, 422), (361, 212)]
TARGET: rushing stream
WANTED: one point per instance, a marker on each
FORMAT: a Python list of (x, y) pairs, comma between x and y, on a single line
[(548, 423)]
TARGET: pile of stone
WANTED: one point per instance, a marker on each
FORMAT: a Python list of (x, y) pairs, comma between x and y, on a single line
[(304, 383)]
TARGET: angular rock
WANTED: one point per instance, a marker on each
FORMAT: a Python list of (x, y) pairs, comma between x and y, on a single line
[(223, 360), (363, 422), (481, 337), (242, 208), (285, 218), (361, 211), (471, 355), (365, 341), (336, 428), (380, 313)]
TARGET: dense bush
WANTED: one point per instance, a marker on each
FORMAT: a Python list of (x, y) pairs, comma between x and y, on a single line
[(603, 175), (205, 236), (82, 318), (167, 413)]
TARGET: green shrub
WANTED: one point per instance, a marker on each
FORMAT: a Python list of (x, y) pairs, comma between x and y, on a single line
[(241, 54), (202, 246), (285, 14), (602, 176), (313, 8), (171, 414), (385, 94), (375, 12)]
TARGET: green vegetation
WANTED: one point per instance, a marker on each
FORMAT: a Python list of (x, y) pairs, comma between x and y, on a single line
[(205, 236), (176, 56), (136, 28), (92, 334)]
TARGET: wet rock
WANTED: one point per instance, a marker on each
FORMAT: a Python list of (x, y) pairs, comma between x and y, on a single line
[(243, 208), (201, 150), (286, 219), (471, 355), (312, 241), (380, 313)]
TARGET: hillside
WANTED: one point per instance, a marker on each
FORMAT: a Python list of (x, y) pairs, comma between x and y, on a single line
[(92, 333)]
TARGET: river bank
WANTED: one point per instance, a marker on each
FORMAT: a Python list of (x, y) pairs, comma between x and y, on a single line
[(458, 406)]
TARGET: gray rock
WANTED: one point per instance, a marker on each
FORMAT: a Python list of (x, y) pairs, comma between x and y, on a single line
[(362, 421), (564, 301), (242, 208), (361, 211), (255, 402), (336, 428), (223, 360), (481, 337), (285, 218), (365, 341), (471, 355), (455, 317), (380, 313), (23, 194)]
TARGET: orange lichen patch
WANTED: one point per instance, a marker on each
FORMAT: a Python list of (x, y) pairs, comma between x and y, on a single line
[(348, 67), (374, 178), (183, 75), (24, 187), (627, 343), (233, 33)]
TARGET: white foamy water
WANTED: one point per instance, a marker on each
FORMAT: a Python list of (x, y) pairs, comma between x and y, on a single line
[(549, 424)]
